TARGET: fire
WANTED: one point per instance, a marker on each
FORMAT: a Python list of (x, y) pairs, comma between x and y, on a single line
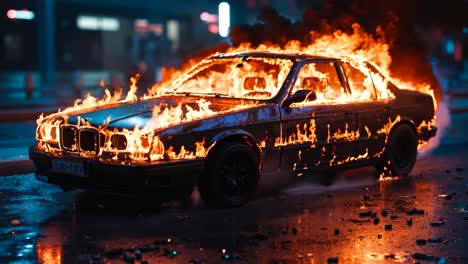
[(302, 135), (51, 254), (256, 78)]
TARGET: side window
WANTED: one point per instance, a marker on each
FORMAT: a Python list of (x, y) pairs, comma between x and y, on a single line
[(360, 82), (322, 78)]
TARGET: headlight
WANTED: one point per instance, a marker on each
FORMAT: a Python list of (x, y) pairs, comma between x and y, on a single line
[(48, 133)]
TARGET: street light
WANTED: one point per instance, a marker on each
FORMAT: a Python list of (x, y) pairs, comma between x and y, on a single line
[(224, 19)]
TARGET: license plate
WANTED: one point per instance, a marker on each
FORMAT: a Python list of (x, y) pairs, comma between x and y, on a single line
[(72, 168)]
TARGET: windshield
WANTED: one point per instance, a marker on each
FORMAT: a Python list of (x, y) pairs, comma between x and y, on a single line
[(239, 77)]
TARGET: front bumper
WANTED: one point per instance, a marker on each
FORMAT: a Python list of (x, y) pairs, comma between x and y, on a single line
[(165, 178)]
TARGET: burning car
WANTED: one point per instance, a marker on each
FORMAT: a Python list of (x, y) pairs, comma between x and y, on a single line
[(234, 121)]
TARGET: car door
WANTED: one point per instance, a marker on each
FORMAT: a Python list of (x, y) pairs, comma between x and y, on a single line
[(371, 107), (316, 134)]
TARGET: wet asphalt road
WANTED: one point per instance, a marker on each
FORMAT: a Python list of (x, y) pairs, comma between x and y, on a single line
[(304, 223)]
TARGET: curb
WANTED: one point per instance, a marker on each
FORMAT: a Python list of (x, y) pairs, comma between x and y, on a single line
[(13, 167)]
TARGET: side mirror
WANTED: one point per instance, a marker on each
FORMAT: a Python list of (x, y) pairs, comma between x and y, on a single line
[(301, 96)]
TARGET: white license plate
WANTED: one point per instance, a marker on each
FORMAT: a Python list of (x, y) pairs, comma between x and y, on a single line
[(72, 168)]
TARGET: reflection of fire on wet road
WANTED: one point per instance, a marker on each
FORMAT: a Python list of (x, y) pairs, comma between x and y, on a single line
[(49, 253), (301, 225)]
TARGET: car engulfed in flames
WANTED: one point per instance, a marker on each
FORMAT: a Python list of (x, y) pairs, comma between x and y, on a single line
[(236, 120)]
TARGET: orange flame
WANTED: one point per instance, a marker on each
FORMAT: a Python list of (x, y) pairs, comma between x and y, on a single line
[(143, 144)]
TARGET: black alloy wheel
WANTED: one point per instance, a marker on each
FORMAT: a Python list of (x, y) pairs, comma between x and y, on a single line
[(400, 153), (231, 176)]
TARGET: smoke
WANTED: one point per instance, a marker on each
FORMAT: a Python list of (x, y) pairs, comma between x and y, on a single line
[(399, 23), (442, 122), (388, 21)]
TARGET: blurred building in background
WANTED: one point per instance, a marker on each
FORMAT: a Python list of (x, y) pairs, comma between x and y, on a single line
[(84, 41), (63, 43)]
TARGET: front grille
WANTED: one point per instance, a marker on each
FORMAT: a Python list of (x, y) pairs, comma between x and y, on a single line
[(89, 140), (69, 138), (86, 139)]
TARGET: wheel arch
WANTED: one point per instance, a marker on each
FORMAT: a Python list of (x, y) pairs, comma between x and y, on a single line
[(236, 135), (403, 121)]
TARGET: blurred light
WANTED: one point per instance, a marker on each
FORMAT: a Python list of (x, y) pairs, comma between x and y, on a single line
[(204, 16), (172, 28), (97, 23), (156, 28), (450, 46), (465, 30), (20, 14), (213, 28), (224, 22), (143, 23), (110, 24), (208, 17)]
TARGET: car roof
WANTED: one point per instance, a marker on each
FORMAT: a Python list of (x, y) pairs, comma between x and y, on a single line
[(290, 56)]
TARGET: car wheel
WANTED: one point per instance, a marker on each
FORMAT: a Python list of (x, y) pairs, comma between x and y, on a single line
[(231, 176), (400, 153)]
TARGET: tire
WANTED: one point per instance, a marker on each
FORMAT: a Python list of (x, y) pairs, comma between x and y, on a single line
[(231, 176), (400, 153)]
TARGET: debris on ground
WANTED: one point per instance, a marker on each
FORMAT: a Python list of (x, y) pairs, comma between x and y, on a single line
[(438, 223), (128, 257), (294, 231), (336, 232), (138, 254), (415, 211), (421, 242), (332, 260), (15, 222), (422, 256), (388, 227), (393, 217), (365, 214), (376, 220), (435, 240), (409, 221), (384, 213)]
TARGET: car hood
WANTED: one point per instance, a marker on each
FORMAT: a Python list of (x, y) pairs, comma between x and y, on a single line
[(129, 115)]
